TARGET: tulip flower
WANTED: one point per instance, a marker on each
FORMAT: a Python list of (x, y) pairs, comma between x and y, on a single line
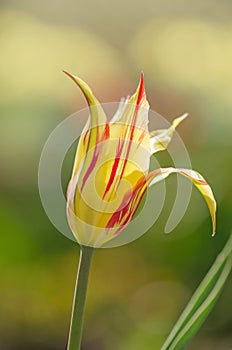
[(111, 170), (110, 177)]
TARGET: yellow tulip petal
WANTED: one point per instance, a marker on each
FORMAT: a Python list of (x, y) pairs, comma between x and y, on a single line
[(95, 132), (110, 175), (160, 139), (196, 178), (97, 127), (129, 127)]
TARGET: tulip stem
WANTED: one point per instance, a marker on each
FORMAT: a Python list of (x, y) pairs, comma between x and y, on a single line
[(78, 308)]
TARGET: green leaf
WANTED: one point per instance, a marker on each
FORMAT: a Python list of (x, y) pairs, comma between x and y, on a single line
[(202, 301)]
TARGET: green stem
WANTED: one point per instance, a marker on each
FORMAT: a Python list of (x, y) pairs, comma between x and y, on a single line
[(76, 326)]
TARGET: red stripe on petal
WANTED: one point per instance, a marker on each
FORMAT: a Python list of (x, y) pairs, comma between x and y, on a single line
[(106, 133), (141, 89), (140, 98), (90, 168), (114, 167), (128, 207)]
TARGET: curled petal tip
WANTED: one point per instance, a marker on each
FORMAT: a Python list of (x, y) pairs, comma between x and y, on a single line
[(65, 72), (182, 117), (141, 83), (185, 115), (91, 99), (178, 120), (69, 74), (141, 90), (214, 233)]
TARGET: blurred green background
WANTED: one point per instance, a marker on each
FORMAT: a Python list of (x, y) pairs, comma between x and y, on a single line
[(136, 291)]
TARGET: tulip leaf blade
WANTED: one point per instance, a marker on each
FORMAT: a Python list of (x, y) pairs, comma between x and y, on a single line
[(201, 302)]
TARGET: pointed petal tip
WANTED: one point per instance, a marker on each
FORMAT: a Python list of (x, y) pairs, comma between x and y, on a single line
[(179, 120), (141, 89), (91, 99), (69, 75), (141, 83), (182, 117), (66, 72)]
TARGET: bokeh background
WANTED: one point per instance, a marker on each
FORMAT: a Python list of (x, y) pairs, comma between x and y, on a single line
[(136, 291)]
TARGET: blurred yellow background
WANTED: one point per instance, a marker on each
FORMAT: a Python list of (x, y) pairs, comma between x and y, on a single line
[(136, 291)]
